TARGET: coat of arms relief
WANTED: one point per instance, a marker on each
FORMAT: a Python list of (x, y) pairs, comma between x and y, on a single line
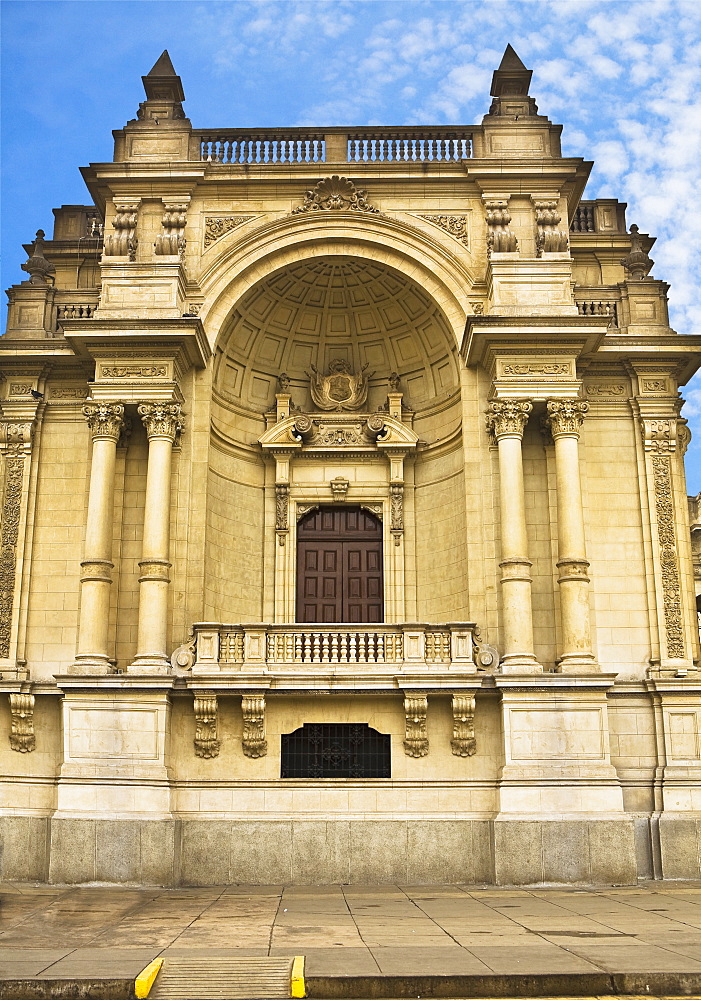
[(340, 388)]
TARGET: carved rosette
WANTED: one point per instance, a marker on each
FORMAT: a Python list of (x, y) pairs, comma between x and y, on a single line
[(415, 710), (105, 420), (549, 239), (253, 741), (172, 240), (215, 228), (463, 743), (22, 738), (565, 416), (206, 742), (122, 242), (337, 194), (508, 417), (161, 420), (500, 238)]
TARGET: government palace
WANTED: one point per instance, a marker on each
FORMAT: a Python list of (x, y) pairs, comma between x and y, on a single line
[(345, 534)]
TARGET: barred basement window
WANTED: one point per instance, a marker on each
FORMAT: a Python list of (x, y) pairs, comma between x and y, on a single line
[(344, 750)]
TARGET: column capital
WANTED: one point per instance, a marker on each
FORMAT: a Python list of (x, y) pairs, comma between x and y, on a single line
[(565, 416), (161, 420), (105, 420), (508, 417), (16, 438)]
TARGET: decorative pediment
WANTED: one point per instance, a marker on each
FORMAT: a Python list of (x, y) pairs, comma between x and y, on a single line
[(342, 432)]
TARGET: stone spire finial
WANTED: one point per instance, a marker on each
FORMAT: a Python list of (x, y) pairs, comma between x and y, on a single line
[(38, 267), (162, 83), (638, 263), (510, 85)]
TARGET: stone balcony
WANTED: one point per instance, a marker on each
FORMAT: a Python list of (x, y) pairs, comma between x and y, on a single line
[(338, 656)]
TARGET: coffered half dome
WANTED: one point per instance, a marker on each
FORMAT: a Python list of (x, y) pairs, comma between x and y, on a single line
[(331, 308)]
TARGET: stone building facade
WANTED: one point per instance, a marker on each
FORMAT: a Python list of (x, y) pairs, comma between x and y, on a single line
[(345, 532)]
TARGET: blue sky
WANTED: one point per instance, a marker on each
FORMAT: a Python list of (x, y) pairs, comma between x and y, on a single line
[(624, 78)]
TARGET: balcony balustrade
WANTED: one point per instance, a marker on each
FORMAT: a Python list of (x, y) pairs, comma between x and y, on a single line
[(334, 648), (361, 145)]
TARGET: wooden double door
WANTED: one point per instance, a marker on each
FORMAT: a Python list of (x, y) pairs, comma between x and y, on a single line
[(339, 566)]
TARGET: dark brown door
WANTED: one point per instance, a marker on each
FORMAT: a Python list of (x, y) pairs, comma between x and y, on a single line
[(339, 566)]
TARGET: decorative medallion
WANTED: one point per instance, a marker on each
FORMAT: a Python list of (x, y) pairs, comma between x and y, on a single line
[(340, 388), (335, 194)]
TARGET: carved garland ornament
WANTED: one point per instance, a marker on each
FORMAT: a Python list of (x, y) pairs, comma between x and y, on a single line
[(215, 228), (415, 710), (22, 738), (14, 475), (454, 225), (337, 194), (206, 742), (282, 505), (253, 741)]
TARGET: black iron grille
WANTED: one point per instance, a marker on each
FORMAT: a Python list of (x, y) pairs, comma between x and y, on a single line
[(329, 750)]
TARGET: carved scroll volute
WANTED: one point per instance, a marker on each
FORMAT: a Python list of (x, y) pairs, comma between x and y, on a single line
[(415, 710), (253, 741), (463, 743), (206, 742), (22, 738)]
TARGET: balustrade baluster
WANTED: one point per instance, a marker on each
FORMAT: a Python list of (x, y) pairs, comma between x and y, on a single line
[(381, 654), (299, 645), (325, 647), (334, 647)]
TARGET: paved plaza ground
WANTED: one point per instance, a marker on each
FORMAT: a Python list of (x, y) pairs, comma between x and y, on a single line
[(112, 932)]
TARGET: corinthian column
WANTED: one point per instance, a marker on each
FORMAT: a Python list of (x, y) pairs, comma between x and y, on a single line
[(506, 420), (162, 422), (564, 419), (106, 421)]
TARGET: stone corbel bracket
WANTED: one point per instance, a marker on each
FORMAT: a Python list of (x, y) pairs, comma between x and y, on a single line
[(549, 238), (123, 242), (500, 237), (171, 242), (206, 743), (22, 737), (463, 743), (415, 710), (253, 741)]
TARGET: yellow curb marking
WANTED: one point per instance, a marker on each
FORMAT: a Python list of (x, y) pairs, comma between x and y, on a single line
[(297, 980), (145, 980)]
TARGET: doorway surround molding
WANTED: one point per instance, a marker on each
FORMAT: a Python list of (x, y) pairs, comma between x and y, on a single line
[(326, 458)]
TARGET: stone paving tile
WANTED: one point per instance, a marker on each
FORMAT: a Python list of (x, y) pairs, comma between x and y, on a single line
[(444, 961), (334, 961), (530, 960), (633, 956)]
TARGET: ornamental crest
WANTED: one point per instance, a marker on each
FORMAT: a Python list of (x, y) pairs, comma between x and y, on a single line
[(340, 388), (335, 193)]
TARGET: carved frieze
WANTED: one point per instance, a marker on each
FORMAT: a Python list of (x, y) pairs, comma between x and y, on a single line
[(606, 390), (335, 194), (340, 388), (415, 710), (500, 238), (565, 416), (549, 239), (253, 741), (206, 743), (68, 392), (134, 371), (105, 420), (527, 369), (463, 743), (122, 242), (161, 419), (217, 226), (508, 417), (454, 225)]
